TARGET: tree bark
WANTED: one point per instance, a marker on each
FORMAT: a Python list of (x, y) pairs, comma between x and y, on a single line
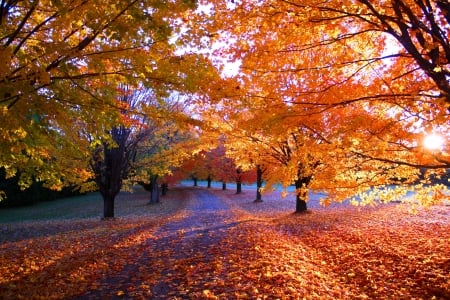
[(238, 181), (209, 181), (300, 203), (109, 172), (108, 206), (238, 187), (164, 188), (154, 193), (301, 185), (259, 183)]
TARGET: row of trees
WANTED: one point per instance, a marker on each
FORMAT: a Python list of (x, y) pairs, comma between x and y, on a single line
[(93, 93), (330, 96), (336, 96), (144, 144), (215, 165), (13, 196)]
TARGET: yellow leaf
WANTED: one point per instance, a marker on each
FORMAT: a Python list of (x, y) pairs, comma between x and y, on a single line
[(209, 294)]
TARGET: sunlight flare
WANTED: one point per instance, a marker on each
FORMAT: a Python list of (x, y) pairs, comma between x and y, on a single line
[(433, 141)]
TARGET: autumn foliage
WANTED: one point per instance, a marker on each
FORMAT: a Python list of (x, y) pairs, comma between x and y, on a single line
[(246, 251), (335, 97), (331, 96)]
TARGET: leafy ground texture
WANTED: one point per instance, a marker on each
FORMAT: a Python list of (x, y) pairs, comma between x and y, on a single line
[(212, 244)]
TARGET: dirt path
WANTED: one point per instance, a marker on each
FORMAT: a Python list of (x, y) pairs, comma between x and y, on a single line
[(181, 256)]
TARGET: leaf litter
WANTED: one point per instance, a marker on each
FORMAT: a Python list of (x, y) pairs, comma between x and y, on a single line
[(246, 251)]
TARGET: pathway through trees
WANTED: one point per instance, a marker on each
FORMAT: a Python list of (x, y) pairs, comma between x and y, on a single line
[(213, 244), (194, 241), (182, 258)]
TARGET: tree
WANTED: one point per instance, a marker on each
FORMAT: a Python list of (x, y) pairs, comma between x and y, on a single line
[(149, 139), (222, 168), (420, 27), (169, 142), (113, 154), (57, 61), (401, 39), (290, 160), (326, 68), (250, 160)]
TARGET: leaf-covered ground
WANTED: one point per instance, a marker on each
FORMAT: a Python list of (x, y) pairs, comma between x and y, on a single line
[(213, 244)]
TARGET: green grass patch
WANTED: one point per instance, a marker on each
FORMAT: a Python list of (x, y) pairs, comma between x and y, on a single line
[(85, 206), (91, 206)]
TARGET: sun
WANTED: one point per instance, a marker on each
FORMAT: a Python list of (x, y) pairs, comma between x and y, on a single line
[(433, 141)]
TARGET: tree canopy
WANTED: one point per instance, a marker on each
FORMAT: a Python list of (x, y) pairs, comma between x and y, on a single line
[(363, 81), (335, 96), (60, 65)]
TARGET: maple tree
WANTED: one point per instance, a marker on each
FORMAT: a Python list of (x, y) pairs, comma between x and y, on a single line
[(222, 167), (188, 170), (61, 62), (401, 39), (363, 79), (149, 138), (250, 157), (420, 27), (282, 157), (169, 143), (330, 70), (196, 167), (113, 150)]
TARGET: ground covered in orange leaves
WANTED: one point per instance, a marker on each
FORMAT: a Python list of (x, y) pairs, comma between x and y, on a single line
[(213, 244)]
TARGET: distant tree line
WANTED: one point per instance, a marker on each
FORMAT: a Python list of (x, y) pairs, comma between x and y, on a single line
[(14, 196)]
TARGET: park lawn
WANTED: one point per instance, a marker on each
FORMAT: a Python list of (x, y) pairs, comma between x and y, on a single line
[(76, 207), (342, 252), (85, 207)]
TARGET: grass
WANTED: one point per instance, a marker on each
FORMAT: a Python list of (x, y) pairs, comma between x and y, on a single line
[(86, 207), (91, 205), (81, 213)]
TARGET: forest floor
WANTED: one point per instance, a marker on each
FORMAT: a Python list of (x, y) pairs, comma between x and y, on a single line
[(203, 243)]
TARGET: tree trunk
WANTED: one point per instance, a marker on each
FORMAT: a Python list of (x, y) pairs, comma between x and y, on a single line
[(154, 193), (300, 203), (154, 196), (238, 181), (195, 181), (164, 188), (259, 183), (108, 177), (209, 181), (238, 187), (108, 206), (301, 187), (258, 195), (224, 186)]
